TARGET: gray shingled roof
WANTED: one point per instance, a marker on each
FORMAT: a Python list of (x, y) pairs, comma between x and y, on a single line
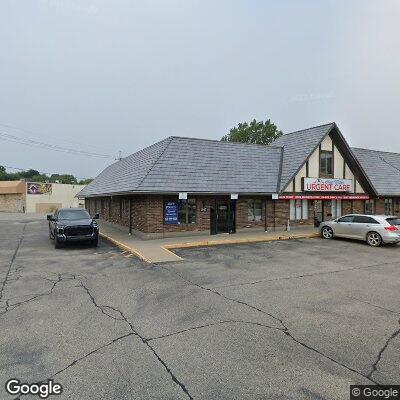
[(382, 168), (179, 164), (298, 146)]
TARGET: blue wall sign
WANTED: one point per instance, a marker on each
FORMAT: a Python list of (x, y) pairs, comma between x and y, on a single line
[(171, 213)]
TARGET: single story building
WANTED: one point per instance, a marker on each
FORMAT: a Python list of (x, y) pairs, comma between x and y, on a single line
[(38, 197), (12, 196), (182, 185)]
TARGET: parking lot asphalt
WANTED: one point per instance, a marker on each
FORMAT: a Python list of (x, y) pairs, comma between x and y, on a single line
[(300, 319)]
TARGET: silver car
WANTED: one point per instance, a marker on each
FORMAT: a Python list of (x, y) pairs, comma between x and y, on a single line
[(374, 229)]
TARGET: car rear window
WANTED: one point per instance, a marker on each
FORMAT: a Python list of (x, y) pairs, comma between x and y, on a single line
[(393, 221)]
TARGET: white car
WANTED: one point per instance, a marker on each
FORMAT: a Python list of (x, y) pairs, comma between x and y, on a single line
[(374, 229)]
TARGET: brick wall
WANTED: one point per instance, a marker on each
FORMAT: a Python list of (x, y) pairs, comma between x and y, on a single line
[(242, 213), (148, 212)]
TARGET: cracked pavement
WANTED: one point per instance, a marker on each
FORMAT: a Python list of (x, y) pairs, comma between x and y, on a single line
[(299, 319)]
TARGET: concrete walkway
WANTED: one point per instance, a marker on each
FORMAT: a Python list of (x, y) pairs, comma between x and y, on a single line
[(159, 250)]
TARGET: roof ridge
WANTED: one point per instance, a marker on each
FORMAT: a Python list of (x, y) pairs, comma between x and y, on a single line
[(155, 161), (376, 151), (307, 129), (226, 142)]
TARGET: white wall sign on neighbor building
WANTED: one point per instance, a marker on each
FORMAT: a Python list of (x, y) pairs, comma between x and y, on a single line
[(234, 196), (327, 185), (183, 196), (275, 196)]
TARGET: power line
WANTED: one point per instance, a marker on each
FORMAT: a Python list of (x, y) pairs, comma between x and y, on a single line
[(58, 139), (40, 172), (30, 142)]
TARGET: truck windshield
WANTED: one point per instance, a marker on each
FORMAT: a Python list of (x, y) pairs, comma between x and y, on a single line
[(73, 214), (393, 221)]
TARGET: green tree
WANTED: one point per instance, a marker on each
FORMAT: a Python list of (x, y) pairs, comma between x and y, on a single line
[(63, 178), (85, 181), (257, 132)]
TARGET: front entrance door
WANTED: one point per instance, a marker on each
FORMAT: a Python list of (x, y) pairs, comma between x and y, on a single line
[(222, 216)]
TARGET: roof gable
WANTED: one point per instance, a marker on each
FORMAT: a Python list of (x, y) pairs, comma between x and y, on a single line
[(298, 146)]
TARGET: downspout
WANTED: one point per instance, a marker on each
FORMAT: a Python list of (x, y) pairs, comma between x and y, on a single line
[(130, 215)]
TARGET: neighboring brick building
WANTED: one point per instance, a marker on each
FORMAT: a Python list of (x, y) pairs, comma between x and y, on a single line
[(183, 185)]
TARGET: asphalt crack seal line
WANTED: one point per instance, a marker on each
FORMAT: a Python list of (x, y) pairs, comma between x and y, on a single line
[(12, 262), (382, 350), (60, 278), (286, 329), (229, 321), (133, 332), (136, 333)]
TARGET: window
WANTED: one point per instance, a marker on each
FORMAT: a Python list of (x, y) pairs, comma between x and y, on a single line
[(388, 206), (369, 207), (187, 212), (393, 221), (254, 210), (347, 218), (362, 219), (336, 208), (396, 206), (298, 209), (326, 163)]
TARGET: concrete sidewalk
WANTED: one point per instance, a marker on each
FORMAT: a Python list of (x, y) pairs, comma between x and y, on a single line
[(158, 250)]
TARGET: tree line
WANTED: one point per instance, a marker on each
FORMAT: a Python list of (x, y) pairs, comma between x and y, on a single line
[(35, 176)]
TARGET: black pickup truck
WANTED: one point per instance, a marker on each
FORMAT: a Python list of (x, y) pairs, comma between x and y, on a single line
[(73, 225)]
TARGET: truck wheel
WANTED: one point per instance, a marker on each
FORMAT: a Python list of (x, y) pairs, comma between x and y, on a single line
[(95, 242), (57, 243)]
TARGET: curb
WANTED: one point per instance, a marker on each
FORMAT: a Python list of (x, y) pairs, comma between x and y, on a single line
[(125, 247), (206, 243)]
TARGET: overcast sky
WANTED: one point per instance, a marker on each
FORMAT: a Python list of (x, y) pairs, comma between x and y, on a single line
[(110, 75)]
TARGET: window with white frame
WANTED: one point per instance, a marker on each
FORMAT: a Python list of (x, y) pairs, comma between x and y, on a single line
[(336, 209), (298, 209)]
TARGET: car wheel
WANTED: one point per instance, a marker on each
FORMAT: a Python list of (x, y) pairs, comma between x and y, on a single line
[(374, 239), (327, 232), (95, 242)]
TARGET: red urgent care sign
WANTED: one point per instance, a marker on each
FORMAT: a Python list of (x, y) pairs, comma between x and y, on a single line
[(324, 197), (327, 185)]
